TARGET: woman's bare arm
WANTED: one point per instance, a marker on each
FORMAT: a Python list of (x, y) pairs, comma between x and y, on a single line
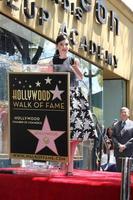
[(76, 69)]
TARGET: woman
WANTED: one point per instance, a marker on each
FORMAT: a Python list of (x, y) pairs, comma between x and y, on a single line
[(81, 123), (108, 143)]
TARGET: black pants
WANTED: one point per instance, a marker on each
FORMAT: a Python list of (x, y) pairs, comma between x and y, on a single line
[(118, 164)]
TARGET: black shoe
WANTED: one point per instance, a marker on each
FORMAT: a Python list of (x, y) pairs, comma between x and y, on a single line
[(69, 174)]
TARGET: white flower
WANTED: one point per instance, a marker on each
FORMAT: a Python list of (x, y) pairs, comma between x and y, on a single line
[(73, 116), (75, 104), (79, 123), (76, 134)]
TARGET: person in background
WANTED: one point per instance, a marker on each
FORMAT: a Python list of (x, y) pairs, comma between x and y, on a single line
[(123, 137), (108, 150), (81, 122), (108, 143)]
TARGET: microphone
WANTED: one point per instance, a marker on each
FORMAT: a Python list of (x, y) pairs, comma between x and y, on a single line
[(72, 61)]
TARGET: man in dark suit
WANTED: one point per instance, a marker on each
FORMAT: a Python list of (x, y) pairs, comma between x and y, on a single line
[(123, 137)]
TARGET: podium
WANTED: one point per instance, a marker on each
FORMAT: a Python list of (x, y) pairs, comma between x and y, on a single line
[(39, 116)]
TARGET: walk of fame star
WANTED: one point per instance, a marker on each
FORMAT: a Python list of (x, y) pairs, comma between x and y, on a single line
[(46, 137), (48, 80), (56, 93)]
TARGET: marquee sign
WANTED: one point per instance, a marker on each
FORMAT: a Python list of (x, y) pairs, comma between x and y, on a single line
[(42, 16), (39, 116), (77, 11)]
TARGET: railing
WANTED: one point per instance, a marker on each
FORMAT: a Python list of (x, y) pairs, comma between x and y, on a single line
[(126, 179)]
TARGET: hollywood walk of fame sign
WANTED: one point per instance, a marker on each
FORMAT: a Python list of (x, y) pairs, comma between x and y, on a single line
[(39, 116)]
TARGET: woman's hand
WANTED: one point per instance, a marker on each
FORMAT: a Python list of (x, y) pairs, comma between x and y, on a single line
[(122, 147)]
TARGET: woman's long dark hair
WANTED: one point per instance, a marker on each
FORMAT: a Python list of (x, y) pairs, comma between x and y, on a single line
[(59, 38)]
